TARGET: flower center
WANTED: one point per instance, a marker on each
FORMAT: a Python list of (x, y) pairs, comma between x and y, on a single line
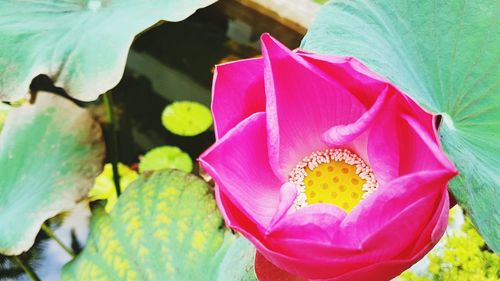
[(334, 176)]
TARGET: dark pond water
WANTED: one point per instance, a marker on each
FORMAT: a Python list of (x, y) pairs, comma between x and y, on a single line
[(174, 61)]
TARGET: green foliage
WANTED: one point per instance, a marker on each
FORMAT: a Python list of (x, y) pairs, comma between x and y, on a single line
[(238, 262), (81, 44), (104, 186), (50, 154), (166, 157), (464, 258), (445, 55), (186, 118), (165, 226), (4, 109)]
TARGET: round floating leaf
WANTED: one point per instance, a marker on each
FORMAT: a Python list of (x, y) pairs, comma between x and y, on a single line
[(186, 118), (50, 154), (104, 187), (166, 157), (81, 44), (446, 55), (165, 226)]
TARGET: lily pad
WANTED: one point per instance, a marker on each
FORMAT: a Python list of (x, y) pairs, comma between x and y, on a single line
[(165, 226), (81, 44), (104, 187), (444, 54), (166, 157), (186, 118), (50, 154)]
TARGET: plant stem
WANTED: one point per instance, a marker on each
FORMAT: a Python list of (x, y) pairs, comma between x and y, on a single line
[(27, 269), (108, 103), (51, 234)]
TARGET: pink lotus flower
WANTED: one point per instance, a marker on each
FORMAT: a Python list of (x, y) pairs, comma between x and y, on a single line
[(329, 170)]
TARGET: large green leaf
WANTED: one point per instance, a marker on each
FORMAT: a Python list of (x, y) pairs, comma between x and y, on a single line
[(81, 44), (4, 109), (50, 154), (166, 157), (446, 55), (165, 226)]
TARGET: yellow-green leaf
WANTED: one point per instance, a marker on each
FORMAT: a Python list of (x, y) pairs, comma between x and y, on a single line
[(165, 226), (166, 157), (186, 118), (104, 187)]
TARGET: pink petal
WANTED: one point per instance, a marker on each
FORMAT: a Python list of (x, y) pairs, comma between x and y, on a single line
[(239, 164), (399, 144), (388, 269), (301, 104), (421, 151), (315, 101), (221, 201), (376, 230), (318, 222), (383, 146), (240, 222), (426, 119), (266, 271), (343, 134), (434, 230), (236, 219), (383, 270), (238, 92), (354, 76), (413, 197), (288, 193)]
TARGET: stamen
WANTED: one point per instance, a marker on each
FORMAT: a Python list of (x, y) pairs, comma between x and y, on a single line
[(335, 176)]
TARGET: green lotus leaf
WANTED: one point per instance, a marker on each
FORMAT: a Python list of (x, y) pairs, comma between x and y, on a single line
[(445, 54), (186, 118), (4, 109), (165, 226), (166, 157), (50, 154), (81, 44), (238, 262)]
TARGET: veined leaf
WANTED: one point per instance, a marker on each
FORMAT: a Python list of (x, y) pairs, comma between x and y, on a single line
[(81, 44), (4, 109), (165, 226), (166, 157), (238, 262), (50, 154)]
